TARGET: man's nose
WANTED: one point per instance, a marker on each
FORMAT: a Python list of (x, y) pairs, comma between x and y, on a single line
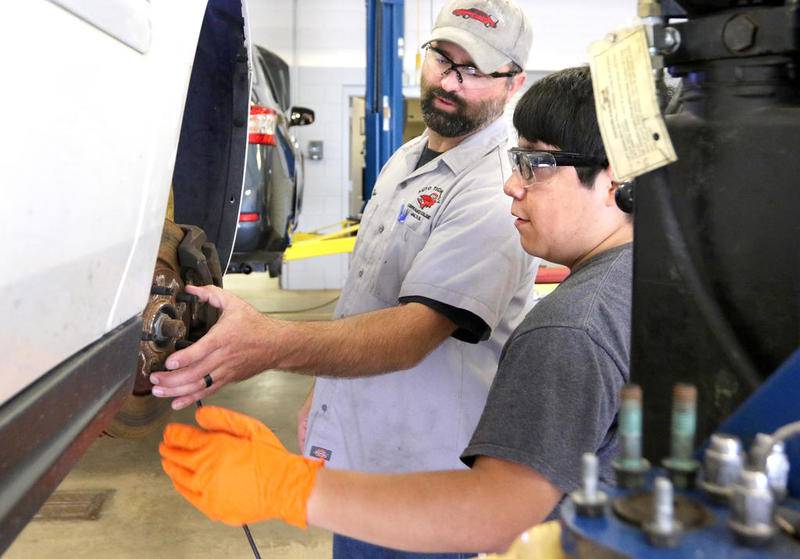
[(450, 81), (515, 186)]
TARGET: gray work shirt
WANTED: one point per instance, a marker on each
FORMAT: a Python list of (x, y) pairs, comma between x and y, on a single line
[(444, 232)]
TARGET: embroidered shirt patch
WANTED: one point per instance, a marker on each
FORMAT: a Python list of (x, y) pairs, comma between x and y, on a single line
[(427, 198)]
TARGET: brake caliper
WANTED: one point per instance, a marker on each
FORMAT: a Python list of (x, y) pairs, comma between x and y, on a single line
[(171, 321)]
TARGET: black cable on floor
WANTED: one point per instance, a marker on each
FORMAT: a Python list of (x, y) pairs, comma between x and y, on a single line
[(245, 527), (250, 539)]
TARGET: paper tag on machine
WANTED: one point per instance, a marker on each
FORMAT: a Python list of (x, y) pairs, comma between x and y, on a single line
[(633, 130)]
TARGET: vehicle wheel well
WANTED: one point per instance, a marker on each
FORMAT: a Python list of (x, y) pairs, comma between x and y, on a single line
[(209, 165)]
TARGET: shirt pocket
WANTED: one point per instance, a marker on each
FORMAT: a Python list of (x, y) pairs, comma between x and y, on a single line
[(407, 240)]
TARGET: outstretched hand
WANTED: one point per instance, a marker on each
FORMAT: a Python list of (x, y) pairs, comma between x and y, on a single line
[(236, 470), (235, 348)]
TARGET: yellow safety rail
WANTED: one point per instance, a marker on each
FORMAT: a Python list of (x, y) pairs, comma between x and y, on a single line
[(309, 245)]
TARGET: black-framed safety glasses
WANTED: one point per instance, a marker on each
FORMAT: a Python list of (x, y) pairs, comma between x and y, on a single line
[(468, 75), (537, 166)]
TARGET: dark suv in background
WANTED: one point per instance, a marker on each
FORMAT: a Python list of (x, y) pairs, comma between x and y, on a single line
[(273, 186)]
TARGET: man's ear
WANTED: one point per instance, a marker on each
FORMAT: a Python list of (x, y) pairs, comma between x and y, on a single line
[(607, 186), (614, 194), (516, 83)]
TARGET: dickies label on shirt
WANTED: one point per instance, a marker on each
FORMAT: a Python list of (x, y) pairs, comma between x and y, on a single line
[(319, 452)]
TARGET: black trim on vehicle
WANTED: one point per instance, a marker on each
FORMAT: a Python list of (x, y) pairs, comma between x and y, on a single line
[(46, 428), (209, 166)]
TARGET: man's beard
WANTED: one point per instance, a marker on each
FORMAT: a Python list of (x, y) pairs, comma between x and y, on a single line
[(464, 120)]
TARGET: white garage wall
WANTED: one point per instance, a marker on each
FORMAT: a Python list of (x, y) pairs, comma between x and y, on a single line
[(324, 42)]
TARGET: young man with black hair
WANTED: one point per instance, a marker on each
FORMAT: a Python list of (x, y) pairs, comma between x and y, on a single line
[(555, 395)]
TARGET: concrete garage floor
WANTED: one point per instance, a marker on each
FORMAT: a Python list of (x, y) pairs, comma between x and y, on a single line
[(145, 517)]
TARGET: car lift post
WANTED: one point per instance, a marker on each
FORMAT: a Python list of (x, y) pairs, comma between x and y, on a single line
[(384, 95)]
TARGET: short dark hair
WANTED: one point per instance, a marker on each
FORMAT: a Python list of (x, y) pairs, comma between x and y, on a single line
[(559, 110)]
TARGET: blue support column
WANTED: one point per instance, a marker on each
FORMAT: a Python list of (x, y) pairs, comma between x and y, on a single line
[(384, 95)]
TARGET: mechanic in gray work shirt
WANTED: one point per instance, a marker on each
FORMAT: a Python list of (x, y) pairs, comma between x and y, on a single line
[(436, 235), (436, 284), (555, 395)]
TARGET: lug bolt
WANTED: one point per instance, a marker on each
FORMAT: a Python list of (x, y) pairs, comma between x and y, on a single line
[(722, 465), (589, 500), (182, 344), (663, 530), (188, 298), (161, 290), (680, 465), (768, 455), (752, 509), (630, 467)]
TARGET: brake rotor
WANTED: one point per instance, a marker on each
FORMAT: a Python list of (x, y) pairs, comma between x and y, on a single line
[(170, 320)]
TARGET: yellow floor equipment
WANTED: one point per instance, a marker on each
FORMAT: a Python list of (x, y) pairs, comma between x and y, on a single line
[(316, 243)]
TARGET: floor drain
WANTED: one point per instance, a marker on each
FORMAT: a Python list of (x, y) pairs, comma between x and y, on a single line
[(74, 505)]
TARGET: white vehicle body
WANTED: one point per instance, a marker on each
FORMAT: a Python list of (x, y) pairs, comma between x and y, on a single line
[(86, 176), (91, 111)]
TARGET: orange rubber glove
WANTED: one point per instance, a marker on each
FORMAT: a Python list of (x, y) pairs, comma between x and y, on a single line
[(236, 470)]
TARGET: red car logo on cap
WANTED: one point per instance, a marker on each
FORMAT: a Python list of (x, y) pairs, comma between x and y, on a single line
[(477, 15), (427, 200)]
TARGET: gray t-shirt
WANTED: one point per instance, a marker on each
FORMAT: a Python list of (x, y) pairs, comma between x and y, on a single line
[(556, 393)]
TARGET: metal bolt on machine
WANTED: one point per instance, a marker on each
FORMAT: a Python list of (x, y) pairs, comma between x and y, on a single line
[(732, 512)]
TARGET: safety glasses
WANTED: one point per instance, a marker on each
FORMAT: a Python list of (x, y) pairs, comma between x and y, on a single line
[(468, 76), (541, 165)]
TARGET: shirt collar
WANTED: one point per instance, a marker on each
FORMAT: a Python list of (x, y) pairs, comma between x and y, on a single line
[(470, 150), (476, 146)]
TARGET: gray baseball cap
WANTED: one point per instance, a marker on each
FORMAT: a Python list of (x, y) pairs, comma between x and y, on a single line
[(493, 32)]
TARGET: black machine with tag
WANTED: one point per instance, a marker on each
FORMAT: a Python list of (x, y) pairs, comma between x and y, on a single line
[(716, 299)]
